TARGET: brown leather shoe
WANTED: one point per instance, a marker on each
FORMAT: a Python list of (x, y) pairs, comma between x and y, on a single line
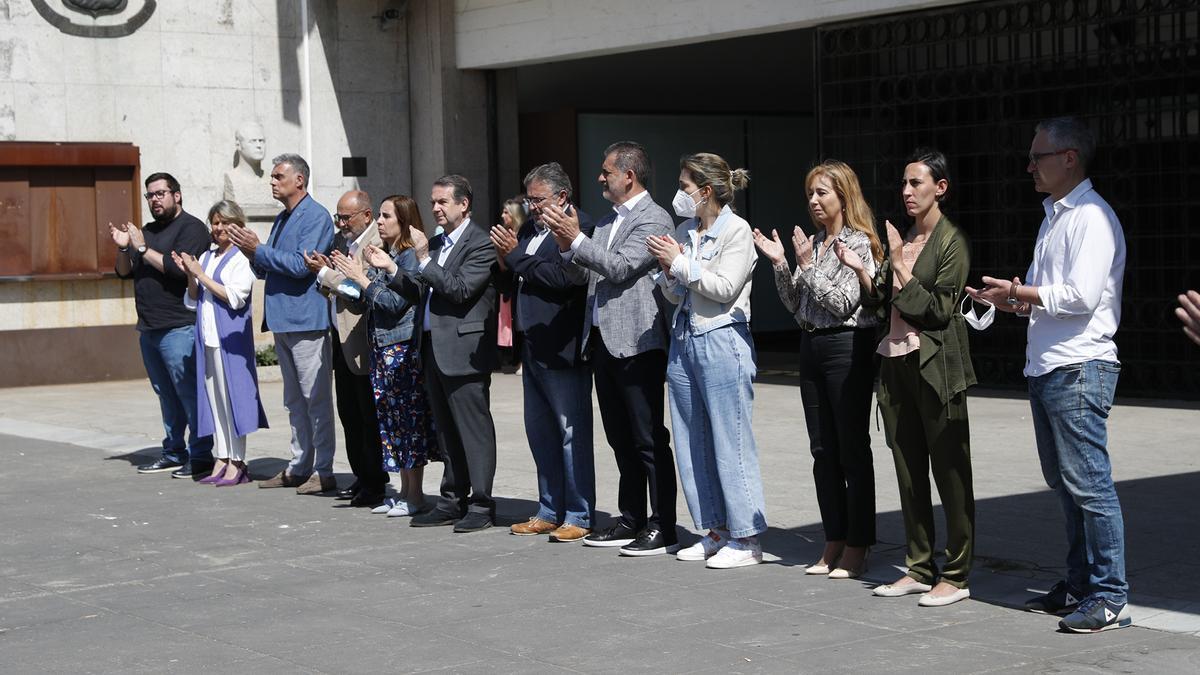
[(532, 526), (316, 485), (282, 479), (568, 532)]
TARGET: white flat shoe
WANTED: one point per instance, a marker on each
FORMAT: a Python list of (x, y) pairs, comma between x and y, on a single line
[(818, 568), (385, 506), (898, 590), (928, 600)]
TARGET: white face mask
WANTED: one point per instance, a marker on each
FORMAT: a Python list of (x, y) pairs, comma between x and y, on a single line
[(977, 322), (683, 204)]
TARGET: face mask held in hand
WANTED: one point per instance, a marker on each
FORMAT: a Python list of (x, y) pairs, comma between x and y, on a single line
[(978, 322)]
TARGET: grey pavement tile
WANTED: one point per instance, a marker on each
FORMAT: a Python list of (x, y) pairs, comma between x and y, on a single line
[(1158, 653), (1033, 636), (779, 632), (670, 607), (403, 651), (904, 653)]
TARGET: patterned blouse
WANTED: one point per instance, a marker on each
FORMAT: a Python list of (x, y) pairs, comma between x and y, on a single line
[(826, 295)]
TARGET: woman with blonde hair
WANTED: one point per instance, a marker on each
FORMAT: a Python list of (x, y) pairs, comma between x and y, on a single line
[(707, 271), (513, 216), (837, 369), (405, 419), (219, 285)]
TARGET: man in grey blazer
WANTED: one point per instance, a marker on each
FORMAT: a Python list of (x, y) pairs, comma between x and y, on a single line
[(456, 337), (625, 335)]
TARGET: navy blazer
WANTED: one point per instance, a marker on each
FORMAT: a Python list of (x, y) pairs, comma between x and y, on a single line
[(292, 302), (548, 309)]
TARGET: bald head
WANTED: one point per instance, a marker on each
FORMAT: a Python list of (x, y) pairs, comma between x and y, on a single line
[(353, 214)]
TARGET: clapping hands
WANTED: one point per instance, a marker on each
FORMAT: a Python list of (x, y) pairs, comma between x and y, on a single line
[(665, 248), (379, 259)]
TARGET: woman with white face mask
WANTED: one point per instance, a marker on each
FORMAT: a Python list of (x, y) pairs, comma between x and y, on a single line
[(924, 407), (706, 272)]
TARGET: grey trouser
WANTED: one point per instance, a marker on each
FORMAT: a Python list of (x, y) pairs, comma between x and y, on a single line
[(305, 361)]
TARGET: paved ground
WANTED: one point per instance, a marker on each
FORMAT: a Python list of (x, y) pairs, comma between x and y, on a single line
[(102, 570)]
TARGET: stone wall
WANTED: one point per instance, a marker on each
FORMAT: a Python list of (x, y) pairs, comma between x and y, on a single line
[(179, 86)]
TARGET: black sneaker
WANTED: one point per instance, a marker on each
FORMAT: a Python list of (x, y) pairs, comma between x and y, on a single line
[(160, 465), (195, 470), (651, 541), (1061, 599), (1096, 614), (616, 535)]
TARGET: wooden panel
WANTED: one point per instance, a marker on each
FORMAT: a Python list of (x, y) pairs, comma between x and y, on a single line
[(20, 153), (15, 255), (114, 204), (63, 219)]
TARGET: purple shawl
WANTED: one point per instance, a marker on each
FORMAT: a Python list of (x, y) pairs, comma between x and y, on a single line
[(237, 357)]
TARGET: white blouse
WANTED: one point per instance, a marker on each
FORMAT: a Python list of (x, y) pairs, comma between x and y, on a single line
[(238, 280)]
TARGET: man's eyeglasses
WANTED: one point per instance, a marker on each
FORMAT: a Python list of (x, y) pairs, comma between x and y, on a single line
[(345, 218), (534, 201), (157, 194), (1035, 157)]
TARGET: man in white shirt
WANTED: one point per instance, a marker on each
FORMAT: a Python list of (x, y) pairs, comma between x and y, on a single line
[(1072, 297)]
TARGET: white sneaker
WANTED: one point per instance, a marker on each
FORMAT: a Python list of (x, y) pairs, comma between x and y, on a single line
[(385, 506), (403, 508), (704, 549), (736, 554)]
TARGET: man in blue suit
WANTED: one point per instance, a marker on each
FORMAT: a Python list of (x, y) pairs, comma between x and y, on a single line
[(298, 315), (557, 382)]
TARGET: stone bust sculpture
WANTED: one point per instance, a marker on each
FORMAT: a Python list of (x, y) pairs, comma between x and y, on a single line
[(246, 183)]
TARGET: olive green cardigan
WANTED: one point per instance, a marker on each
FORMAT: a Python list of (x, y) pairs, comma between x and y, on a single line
[(929, 302)]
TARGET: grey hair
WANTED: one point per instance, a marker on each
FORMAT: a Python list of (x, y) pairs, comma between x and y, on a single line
[(551, 174), (631, 156), (1070, 132), (296, 162), (228, 211)]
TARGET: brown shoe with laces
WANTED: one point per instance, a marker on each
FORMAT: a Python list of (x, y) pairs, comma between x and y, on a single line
[(533, 526), (568, 533)]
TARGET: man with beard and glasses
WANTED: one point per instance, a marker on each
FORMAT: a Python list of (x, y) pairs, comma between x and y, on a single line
[(166, 327)]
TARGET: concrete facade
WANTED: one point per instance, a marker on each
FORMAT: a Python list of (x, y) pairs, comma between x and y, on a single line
[(508, 33)]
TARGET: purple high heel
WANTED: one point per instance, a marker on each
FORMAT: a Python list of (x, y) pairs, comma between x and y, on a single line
[(213, 478), (240, 478)]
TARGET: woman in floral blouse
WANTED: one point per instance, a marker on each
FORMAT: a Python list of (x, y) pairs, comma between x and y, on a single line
[(837, 369)]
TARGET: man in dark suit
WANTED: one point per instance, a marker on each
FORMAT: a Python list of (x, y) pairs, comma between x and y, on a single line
[(550, 297), (456, 303), (625, 334)]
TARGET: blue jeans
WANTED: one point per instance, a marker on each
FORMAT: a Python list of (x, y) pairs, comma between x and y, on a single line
[(711, 383), (558, 424), (170, 358), (1070, 408)]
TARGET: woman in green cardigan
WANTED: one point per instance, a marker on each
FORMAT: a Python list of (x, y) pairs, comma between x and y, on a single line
[(923, 379)]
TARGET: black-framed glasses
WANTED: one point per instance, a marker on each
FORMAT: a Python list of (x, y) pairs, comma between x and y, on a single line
[(157, 194), (345, 218), (1035, 157)]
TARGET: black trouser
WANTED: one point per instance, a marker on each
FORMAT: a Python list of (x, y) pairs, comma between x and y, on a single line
[(356, 410), (465, 433), (837, 372), (630, 393)]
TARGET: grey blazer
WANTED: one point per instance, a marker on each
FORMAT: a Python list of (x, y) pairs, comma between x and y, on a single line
[(462, 306), (620, 281)]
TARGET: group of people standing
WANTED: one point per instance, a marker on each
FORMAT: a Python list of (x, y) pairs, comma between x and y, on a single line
[(636, 305)]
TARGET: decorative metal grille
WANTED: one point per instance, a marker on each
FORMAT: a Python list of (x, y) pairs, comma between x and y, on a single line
[(973, 80)]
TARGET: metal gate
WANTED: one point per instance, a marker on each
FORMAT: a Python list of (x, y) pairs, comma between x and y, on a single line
[(973, 80)]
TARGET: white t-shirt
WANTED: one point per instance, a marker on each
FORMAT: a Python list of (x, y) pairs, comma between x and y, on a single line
[(238, 280)]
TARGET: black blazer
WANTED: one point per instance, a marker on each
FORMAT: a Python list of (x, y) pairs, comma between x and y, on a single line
[(462, 307), (551, 298)]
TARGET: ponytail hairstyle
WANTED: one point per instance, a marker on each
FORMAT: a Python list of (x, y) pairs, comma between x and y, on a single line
[(709, 170)]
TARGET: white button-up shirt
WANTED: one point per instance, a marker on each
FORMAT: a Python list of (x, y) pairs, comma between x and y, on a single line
[(1078, 267), (238, 280), (331, 277), (443, 253)]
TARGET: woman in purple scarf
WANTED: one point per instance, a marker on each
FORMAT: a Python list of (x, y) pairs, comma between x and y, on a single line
[(228, 405)]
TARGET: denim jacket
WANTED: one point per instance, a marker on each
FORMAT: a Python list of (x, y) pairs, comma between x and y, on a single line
[(710, 281), (391, 315)]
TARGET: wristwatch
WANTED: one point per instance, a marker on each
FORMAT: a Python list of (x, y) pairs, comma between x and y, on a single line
[(142, 249), (1012, 294)]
